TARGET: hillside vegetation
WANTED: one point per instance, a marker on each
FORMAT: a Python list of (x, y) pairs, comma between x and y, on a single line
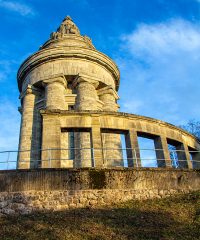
[(163, 219)]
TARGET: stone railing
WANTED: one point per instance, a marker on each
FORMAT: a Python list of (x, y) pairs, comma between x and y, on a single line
[(150, 158)]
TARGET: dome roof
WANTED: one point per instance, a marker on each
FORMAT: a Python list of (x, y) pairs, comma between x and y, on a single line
[(66, 44), (68, 35)]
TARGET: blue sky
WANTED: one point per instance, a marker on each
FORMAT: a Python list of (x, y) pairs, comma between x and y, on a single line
[(156, 44)]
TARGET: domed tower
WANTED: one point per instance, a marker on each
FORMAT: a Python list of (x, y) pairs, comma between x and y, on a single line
[(68, 93), (67, 74)]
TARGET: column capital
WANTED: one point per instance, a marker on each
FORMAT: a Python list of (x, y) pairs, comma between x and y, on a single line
[(30, 89), (85, 78), (57, 78), (108, 90)]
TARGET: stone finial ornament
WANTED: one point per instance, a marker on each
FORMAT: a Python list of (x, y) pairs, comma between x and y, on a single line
[(66, 27)]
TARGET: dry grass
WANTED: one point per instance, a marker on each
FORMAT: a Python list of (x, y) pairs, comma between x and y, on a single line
[(163, 219)]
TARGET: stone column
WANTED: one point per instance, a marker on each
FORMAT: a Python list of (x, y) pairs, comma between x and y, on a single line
[(109, 98), (97, 142), (25, 141), (51, 140), (195, 158), (187, 155), (111, 141), (36, 136), (55, 88), (133, 151), (86, 93), (86, 100), (162, 152), (66, 162), (183, 156)]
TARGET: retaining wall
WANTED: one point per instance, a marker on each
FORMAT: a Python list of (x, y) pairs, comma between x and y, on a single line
[(25, 191)]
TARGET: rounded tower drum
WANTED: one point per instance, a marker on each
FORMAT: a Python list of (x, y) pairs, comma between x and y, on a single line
[(67, 73)]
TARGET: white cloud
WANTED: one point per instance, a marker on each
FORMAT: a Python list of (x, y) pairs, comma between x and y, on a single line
[(162, 66), (164, 39), (20, 8)]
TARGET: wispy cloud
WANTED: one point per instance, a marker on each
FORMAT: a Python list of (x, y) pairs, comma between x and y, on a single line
[(165, 39), (22, 9), (162, 66)]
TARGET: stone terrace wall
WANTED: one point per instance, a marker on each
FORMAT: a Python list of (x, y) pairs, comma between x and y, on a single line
[(25, 191)]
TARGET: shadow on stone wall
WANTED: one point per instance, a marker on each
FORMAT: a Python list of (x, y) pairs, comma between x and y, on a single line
[(26, 191), (150, 219)]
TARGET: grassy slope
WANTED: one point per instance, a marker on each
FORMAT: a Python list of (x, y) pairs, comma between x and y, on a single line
[(163, 219)]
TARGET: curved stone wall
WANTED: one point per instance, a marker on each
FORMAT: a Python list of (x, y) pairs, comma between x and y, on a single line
[(129, 124), (124, 121), (71, 67), (25, 191)]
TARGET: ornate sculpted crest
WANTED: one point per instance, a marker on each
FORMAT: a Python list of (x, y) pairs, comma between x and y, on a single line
[(66, 27)]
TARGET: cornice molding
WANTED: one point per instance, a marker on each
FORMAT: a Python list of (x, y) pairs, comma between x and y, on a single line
[(117, 114), (49, 54)]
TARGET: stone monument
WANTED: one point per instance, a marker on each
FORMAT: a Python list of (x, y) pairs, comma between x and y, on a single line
[(70, 119), (70, 147)]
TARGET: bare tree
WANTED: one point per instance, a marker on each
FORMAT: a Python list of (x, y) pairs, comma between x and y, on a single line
[(193, 127), (173, 155)]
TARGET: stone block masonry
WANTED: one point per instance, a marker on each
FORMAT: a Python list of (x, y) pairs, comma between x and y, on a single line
[(70, 119), (68, 88), (26, 191)]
